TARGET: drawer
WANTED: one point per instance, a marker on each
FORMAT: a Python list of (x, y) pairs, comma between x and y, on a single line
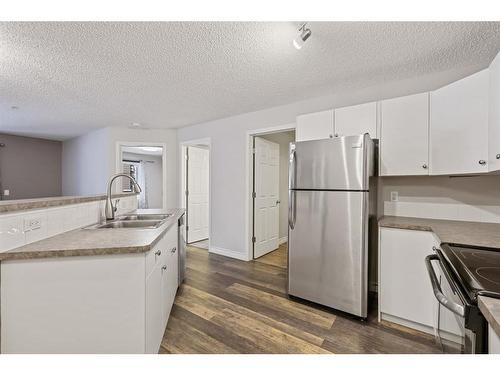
[(156, 255), (171, 237)]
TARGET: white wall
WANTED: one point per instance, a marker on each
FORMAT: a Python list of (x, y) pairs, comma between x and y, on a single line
[(90, 160), (154, 176), (283, 139), (85, 164), (229, 150), (472, 198)]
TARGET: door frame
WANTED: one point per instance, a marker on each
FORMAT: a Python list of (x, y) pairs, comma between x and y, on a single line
[(205, 142), (118, 162), (249, 216)]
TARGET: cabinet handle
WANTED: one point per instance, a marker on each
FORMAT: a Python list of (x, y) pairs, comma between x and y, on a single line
[(330, 135), (482, 162), (424, 166), (498, 156), (174, 249), (336, 135), (164, 268), (158, 252)]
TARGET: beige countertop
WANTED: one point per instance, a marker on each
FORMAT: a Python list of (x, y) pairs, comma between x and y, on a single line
[(467, 233), (37, 203), (87, 242), (490, 307)]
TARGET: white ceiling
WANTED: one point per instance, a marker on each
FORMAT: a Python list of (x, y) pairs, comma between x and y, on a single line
[(69, 78)]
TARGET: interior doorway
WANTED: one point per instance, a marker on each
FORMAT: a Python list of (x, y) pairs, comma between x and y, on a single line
[(195, 177), (269, 175), (146, 164)]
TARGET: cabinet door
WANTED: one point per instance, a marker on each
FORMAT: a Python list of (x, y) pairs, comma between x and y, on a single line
[(404, 138), (494, 116), (154, 328), (459, 126), (318, 125), (357, 119), (170, 282), (405, 290)]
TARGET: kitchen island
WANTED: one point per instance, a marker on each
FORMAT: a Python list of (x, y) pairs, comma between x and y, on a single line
[(91, 290)]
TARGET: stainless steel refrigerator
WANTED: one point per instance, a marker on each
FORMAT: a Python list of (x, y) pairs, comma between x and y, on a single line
[(328, 221)]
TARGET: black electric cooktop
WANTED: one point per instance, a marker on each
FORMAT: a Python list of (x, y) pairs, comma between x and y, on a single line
[(478, 269)]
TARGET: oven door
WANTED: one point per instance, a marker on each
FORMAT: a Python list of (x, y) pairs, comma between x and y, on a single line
[(451, 309)]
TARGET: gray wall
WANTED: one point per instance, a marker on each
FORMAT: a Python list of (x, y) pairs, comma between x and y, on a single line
[(30, 167), (283, 139)]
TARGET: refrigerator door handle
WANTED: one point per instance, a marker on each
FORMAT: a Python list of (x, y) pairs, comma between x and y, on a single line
[(291, 209), (291, 193)]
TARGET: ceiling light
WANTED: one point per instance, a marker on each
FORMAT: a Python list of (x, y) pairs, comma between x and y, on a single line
[(305, 33)]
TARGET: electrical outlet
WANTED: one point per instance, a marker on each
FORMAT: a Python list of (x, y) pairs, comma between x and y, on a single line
[(6, 192), (32, 224), (394, 196)]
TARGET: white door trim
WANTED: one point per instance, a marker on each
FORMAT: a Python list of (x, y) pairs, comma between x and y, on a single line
[(197, 142), (249, 177), (118, 162)]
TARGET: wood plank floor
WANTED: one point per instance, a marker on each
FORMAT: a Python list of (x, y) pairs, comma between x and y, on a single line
[(231, 306), (278, 257)]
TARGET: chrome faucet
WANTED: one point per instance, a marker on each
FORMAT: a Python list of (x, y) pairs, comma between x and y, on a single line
[(110, 208)]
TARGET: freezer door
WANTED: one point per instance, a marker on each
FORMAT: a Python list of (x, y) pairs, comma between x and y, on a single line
[(343, 163), (328, 249)]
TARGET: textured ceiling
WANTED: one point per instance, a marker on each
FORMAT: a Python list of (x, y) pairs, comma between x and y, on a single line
[(69, 78)]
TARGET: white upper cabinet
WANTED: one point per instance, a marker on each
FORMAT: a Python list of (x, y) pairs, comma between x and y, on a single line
[(404, 136), (357, 119), (318, 125), (494, 116), (459, 126)]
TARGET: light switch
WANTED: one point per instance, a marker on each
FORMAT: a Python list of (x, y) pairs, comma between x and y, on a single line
[(394, 196)]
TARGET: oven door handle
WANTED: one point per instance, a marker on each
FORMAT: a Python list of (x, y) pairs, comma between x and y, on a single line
[(442, 299)]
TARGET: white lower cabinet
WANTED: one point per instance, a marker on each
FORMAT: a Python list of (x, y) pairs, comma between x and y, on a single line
[(493, 341), (91, 304), (405, 292)]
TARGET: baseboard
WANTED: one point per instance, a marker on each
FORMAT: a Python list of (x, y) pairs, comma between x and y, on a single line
[(228, 253), (283, 240)]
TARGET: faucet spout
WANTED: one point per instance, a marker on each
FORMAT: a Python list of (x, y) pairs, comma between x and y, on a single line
[(110, 209)]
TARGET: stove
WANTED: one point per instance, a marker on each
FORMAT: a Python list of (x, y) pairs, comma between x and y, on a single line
[(468, 272), (477, 269)]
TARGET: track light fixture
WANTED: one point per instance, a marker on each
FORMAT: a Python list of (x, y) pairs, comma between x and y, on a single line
[(305, 33)]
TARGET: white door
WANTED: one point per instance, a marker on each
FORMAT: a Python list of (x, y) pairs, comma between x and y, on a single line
[(197, 215), (404, 138), (459, 126), (356, 119), (266, 212), (317, 125)]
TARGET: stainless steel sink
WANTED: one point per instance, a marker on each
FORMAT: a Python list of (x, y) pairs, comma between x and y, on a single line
[(145, 224), (135, 217)]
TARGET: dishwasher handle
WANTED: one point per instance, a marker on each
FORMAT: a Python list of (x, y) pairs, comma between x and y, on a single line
[(442, 299)]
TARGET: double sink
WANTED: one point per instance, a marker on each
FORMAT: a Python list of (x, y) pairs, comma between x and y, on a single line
[(144, 221)]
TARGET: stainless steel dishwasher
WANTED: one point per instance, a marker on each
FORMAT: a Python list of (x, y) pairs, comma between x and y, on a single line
[(182, 249)]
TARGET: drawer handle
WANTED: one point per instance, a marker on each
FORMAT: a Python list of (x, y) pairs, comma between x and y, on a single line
[(424, 166), (174, 249), (482, 162), (164, 268), (158, 252), (498, 156)]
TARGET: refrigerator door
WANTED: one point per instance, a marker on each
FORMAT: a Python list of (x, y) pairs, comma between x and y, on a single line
[(331, 164), (328, 250)]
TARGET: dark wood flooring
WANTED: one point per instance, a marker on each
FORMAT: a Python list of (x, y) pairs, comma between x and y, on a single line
[(230, 306)]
